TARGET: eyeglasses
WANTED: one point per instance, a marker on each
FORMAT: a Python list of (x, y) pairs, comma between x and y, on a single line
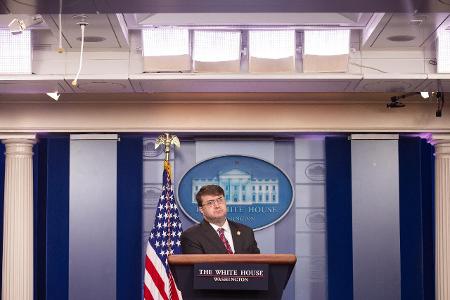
[(213, 202)]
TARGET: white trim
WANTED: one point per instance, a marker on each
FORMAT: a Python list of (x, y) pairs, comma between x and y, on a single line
[(94, 137), (362, 136), (24, 136)]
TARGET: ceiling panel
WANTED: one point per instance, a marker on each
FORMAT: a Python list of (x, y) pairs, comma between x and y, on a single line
[(261, 6), (407, 30), (102, 86), (182, 6), (436, 82), (102, 31), (49, 6), (406, 83), (30, 84), (159, 84), (3, 9), (355, 20)]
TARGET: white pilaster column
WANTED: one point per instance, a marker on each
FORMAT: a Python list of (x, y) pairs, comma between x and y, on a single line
[(442, 198), (17, 271)]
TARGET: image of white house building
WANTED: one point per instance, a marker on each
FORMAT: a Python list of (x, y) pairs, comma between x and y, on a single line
[(240, 188)]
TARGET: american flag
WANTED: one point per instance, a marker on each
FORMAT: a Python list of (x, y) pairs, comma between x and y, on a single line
[(164, 240)]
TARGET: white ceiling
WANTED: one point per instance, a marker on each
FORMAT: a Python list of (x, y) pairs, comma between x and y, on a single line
[(391, 52)]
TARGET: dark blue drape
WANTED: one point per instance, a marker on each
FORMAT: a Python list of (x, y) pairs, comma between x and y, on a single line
[(416, 172), (56, 186), (339, 218), (129, 218), (428, 183), (2, 193), (39, 204)]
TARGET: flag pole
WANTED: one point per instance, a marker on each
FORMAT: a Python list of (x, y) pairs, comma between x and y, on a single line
[(167, 139)]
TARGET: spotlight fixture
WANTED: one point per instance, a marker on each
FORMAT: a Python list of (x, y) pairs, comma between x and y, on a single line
[(54, 95), (395, 103), (17, 26), (439, 96), (395, 100)]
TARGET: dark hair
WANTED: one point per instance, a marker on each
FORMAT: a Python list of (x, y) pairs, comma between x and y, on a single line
[(211, 189)]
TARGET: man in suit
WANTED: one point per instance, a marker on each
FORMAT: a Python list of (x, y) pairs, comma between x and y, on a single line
[(215, 234)]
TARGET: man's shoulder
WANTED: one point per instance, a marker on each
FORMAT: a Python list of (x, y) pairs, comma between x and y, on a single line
[(239, 225), (193, 229)]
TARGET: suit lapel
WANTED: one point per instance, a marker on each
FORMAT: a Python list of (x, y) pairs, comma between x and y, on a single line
[(237, 243), (213, 237)]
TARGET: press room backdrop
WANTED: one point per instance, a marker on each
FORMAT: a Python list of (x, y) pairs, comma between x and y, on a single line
[(301, 231), (361, 224)]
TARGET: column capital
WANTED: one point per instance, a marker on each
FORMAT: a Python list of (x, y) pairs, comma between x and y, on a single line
[(439, 138), (441, 142), (10, 137)]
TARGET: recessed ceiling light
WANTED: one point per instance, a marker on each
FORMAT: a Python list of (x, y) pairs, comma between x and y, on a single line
[(401, 38)]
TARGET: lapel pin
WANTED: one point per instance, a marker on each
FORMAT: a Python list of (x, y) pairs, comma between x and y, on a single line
[(238, 232)]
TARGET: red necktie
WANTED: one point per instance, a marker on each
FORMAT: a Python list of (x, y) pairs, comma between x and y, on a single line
[(224, 240)]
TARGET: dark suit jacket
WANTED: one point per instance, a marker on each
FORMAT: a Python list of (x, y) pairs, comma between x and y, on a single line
[(202, 239)]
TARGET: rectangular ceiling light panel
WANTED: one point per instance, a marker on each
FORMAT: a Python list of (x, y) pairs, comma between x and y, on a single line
[(217, 51), (166, 49), (326, 42), (15, 52), (443, 51), (326, 50), (271, 51)]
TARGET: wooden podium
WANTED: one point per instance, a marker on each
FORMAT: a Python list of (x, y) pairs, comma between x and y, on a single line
[(279, 268)]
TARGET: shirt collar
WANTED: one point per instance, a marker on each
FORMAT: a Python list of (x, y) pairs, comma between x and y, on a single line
[(225, 226)]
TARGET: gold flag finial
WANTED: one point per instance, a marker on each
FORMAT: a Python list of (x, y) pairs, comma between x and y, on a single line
[(167, 139)]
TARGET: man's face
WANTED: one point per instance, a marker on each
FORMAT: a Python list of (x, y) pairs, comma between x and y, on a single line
[(214, 209)]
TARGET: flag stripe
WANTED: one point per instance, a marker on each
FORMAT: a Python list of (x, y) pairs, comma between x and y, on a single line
[(147, 294), (174, 293), (157, 280)]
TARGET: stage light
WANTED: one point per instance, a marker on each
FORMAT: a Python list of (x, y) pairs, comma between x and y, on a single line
[(271, 51), (15, 53), (216, 46), (327, 42), (326, 51), (165, 41), (217, 51), (443, 51), (166, 49)]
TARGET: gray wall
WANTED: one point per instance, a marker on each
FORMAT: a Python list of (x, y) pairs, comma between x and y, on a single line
[(92, 226), (376, 228)]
